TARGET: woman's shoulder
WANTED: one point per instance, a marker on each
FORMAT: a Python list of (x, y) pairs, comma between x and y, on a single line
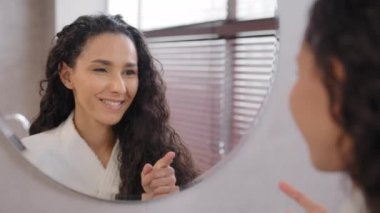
[(41, 149), (40, 140)]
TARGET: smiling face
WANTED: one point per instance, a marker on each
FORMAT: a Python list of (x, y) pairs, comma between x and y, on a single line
[(104, 79), (310, 108)]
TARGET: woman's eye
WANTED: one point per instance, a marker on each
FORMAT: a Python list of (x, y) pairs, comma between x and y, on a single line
[(100, 70), (129, 72)]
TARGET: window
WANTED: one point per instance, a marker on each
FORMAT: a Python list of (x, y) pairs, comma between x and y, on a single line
[(129, 9), (218, 62), (156, 14), (256, 9)]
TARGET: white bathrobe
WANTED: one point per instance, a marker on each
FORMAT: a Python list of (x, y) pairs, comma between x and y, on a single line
[(65, 157), (355, 203)]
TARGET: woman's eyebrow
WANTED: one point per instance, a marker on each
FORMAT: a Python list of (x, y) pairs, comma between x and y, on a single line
[(106, 62), (102, 61), (129, 64)]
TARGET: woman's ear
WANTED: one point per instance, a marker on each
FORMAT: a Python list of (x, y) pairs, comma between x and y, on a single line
[(340, 76), (338, 69), (65, 75)]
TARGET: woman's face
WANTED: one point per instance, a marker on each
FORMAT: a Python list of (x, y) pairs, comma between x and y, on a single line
[(310, 108), (105, 78)]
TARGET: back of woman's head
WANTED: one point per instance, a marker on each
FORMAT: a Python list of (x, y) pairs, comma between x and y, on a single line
[(349, 31), (58, 101)]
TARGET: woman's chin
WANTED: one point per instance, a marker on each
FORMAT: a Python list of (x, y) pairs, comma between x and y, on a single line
[(331, 165), (111, 120)]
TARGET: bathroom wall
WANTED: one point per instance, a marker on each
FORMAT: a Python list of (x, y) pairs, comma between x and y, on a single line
[(246, 183), (25, 35)]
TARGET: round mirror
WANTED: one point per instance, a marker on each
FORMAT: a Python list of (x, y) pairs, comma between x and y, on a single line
[(210, 67)]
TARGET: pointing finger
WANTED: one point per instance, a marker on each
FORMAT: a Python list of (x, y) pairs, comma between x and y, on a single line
[(299, 197), (165, 161)]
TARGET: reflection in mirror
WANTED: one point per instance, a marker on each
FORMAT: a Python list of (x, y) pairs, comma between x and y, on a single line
[(218, 65), (103, 128)]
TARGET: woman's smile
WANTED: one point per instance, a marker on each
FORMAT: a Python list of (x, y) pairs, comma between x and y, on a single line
[(112, 104)]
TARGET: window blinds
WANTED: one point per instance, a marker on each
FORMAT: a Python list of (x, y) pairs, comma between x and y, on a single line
[(215, 88), (194, 74), (254, 65)]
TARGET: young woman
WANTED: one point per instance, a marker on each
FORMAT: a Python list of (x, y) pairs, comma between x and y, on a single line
[(336, 99), (103, 126)]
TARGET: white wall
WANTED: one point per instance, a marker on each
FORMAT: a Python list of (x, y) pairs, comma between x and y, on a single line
[(246, 183), (25, 34)]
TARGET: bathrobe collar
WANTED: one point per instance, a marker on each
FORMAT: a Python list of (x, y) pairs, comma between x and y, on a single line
[(89, 169)]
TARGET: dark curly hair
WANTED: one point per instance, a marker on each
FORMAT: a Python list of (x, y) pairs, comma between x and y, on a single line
[(349, 30), (144, 131)]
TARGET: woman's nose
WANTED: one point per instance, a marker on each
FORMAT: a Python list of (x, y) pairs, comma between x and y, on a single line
[(117, 84)]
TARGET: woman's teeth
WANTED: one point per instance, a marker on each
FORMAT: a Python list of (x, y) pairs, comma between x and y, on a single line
[(112, 103)]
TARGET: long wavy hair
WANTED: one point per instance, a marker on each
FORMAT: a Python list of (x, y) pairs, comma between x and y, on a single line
[(144, 131), (349, 30)]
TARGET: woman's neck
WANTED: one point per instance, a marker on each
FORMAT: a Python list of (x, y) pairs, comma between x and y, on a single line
[(99, 137)]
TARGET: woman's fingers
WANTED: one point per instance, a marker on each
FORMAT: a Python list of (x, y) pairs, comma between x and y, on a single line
[(147, 168), (165, 161), (154, 178), (296, 195), (161, 173), (147, 176), (309, 205), (167, 181), (157, 178), (158, 175), (165, 190)]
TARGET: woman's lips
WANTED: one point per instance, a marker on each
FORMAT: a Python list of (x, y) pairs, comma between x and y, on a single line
[(113, 104)]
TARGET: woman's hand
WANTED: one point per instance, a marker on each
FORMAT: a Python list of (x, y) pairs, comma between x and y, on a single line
[(309, 205), (159, 180)]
